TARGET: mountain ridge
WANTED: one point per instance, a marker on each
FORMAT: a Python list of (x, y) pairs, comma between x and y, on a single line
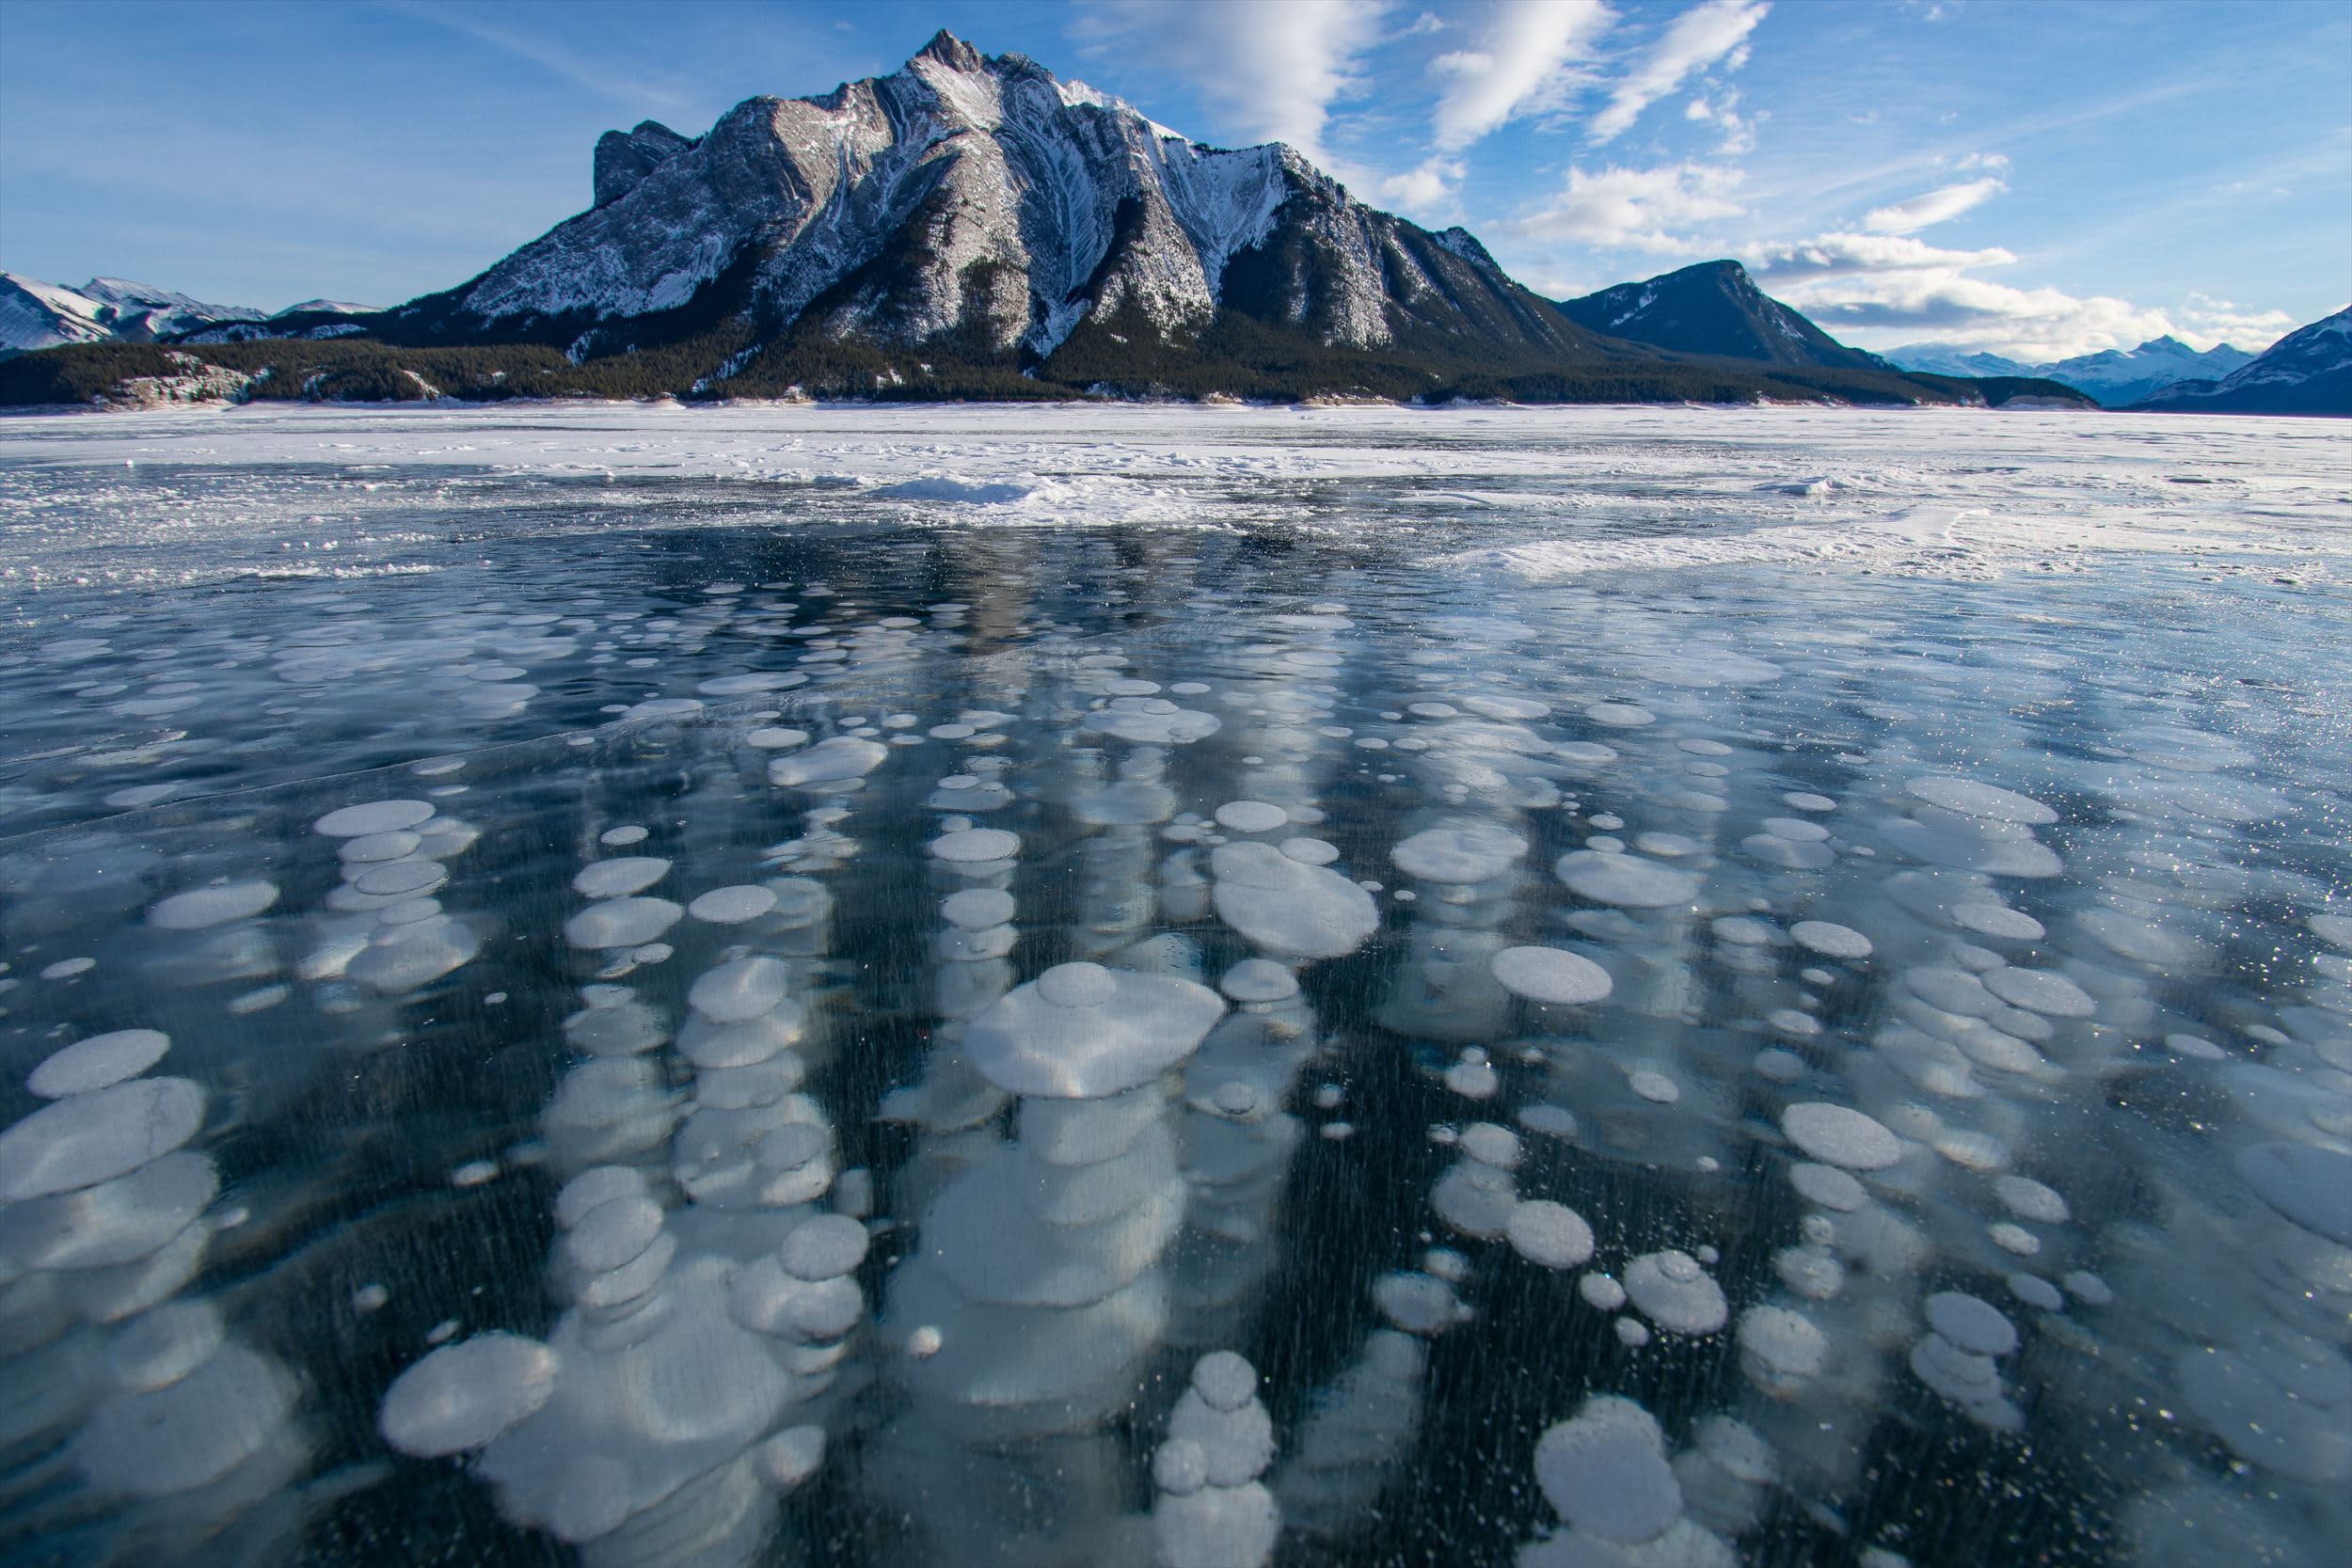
[(1712, 308), (2116, 378)]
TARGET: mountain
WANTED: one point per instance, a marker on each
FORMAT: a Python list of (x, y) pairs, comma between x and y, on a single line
[(2306, 372), (1952, 360), (970, 226), (2115, 377), (980, 204), (33, 314), (1714, 308), (2119, 377)]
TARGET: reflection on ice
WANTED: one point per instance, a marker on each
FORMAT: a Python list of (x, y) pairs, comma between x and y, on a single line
[(887, 1043)]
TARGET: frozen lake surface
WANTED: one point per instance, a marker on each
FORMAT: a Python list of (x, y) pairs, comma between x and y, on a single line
[(1091, 986)]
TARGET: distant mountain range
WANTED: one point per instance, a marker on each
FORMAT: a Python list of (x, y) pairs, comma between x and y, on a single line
[(2116, 377), (2306, 372), (972, 226), (33, 314)]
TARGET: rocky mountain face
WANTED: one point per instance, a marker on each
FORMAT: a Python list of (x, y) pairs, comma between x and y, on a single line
[(1714, 308), (978, 200), (33, 314), (2114, 377), (2306, 372)]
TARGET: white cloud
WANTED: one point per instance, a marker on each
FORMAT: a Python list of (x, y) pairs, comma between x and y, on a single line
[(1519, 62), (1845, 255), (1700, 37), (1639, 209), (1935, 207), (1269, 70), (1425, 191), (1889, 289), (2206, 320)]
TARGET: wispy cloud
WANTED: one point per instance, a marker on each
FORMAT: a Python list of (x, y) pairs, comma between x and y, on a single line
[(1935, 206), (622, 84), (1520, 63), (1715, 32), (1638, 209), (1269, 71)]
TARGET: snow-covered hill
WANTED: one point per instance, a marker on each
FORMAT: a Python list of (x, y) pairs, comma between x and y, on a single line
[(2306, 372), (33, 314)]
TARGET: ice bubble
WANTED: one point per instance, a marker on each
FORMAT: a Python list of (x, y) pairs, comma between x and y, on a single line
[(2034, 1290), (2309, 1185), (2277, 1428), (1983, 801), (2029, 1199), (1218, 1527), (2195, 1047), (89, 1138), (1605, 1472), (1259, 980), (1674, 1291), (1152, 722), (113, 1223), (1627, 882), (1552, 1121), (774, 739), (1631, 1332), (1989, 919), (621, 838), (1968, 1380), (2333, 929), (1654, 1086), (1780, 1347), (976, 845), (1225, 1381), (978, 908), (2039, 990), (1179, 1467), (1623, 716), (1976, 1327), (1600, 1291), (593, 1188), (1310, 851), (368, 848), (397, 879), (98, 1062), (1830, 940), (613, 1234), (791, 1456), (611, 923), (1549, 1234), (1289, 909), (1081, 1032), (1251, 817), (826, 1247), (1459, 856), (2089, 1287), (1416, 1303), (377, 816), (207, 906), (164, 1346), (1551, 976), (620, 876), (833, 761), (1838, 1136), (761, 1038), (740, 989), (463, 1395), (1828, 1186), (1805, 800), (401, 958), (732, 905), (925, 1342), (2014, 1239)]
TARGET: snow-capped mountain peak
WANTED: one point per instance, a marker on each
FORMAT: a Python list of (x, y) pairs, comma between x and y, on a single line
[(33, 314), (978, 196)]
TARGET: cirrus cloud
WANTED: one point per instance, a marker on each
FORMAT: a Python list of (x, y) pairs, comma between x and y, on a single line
[(1521, 63), (1716, 31), (1935, 207)]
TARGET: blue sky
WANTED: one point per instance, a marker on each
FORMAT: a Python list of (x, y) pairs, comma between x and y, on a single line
[(2039, 178)]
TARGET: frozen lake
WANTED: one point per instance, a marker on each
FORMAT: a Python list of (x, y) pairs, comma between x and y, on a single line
[(1103, 985)]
